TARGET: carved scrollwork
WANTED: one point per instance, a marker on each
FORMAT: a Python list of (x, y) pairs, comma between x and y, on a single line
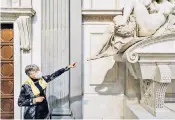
[(132, 57), (24, 25)]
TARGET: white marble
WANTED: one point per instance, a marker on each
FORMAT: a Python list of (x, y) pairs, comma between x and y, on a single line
[(103, 81), (151, 65), (36, 34), (16, 4), (136, 111), (102, 107), (99, 4)]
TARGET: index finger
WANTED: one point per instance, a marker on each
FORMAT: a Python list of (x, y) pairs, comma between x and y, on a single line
[(74, 63)]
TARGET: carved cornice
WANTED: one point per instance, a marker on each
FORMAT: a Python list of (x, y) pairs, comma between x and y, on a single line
[(101, 12), (138, 55), (16, 12), (132, 56), (90, 15), (100, 18), (21, 16)]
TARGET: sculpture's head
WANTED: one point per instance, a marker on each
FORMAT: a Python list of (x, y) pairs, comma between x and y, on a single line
[(119, 20), (162, 6), (33, 71), (153, 8), (167, 8), (146, 3)]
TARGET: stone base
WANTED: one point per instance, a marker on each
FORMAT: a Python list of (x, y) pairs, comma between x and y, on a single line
[(62, 117), (61, 112), (133, 110)]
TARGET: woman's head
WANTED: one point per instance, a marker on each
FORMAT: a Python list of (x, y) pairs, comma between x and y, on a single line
[(33, 71)]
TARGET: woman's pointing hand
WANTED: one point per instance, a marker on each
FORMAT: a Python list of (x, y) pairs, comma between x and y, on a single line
[(72, 65)]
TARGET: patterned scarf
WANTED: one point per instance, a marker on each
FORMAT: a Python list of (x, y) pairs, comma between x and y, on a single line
[(35, 90)]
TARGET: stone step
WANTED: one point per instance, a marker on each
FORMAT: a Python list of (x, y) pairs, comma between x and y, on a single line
[(141, 113)]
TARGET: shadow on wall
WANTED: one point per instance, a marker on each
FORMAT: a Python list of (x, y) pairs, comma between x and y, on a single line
[(116, 82), (132, 89), (53, 101), (111, 84)]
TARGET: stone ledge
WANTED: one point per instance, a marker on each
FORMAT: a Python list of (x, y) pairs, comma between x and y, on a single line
[(101, 12), (16, 11), (141, 113), (99, 16)]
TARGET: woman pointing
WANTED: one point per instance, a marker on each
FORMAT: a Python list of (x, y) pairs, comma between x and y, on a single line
[(33, 91)]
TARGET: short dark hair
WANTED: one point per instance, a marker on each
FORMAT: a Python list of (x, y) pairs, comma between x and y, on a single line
[(31, 67)]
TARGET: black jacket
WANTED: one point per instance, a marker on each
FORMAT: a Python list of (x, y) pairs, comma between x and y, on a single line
[(37, 110)]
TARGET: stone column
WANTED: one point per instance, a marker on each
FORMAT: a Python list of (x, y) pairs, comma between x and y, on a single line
[(153, 91), (55, 52)]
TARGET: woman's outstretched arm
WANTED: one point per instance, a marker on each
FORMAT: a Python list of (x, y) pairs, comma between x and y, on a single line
[(57, 73)]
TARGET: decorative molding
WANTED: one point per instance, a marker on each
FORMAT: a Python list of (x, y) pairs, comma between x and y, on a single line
[(167, 57), (25, 29), (90, 15), (8, 19), (101, 12), (12, 12), (131, 56), (101, 18), (99, 4), (21, 16)]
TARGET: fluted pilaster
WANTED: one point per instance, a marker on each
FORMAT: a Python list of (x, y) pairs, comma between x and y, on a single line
[(55, 51)]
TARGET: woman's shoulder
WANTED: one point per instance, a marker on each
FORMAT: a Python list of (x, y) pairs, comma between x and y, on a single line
[(27, 83), (25, 86)]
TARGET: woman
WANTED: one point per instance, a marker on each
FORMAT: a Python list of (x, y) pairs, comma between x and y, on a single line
[(33, 92)]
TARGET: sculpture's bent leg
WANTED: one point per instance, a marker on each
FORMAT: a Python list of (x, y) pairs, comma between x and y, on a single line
[(106, 38)]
